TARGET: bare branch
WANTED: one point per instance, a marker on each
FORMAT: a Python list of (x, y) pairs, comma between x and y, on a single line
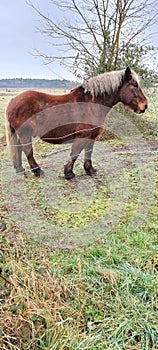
[(89, 34)]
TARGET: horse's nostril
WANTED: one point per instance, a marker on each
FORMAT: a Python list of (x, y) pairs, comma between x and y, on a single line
[(146, 106)]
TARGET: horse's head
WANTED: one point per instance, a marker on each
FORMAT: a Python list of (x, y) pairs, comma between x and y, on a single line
[(131, 94)]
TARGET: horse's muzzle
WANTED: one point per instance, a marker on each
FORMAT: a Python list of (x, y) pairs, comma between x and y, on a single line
[(143, 110)]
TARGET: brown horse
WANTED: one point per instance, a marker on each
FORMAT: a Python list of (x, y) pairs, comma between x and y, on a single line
[(76, 117)]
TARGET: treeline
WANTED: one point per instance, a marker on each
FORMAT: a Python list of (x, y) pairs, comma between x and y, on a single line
[(22, 83)]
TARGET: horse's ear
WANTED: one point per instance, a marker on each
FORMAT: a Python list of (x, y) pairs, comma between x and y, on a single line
[(128, 74)]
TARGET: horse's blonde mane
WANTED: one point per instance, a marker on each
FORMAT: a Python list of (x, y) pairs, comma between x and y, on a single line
[(106, 83)]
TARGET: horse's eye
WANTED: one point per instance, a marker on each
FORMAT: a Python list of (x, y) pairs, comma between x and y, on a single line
[(135, 84)]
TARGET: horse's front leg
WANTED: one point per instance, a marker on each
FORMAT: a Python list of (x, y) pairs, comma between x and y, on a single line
[(87, 161), (76, 149)]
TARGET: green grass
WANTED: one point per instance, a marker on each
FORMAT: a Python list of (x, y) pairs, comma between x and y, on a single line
[(103, 297), (99, 295)]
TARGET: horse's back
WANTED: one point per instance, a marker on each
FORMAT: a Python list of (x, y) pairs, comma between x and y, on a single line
[(30, 102)]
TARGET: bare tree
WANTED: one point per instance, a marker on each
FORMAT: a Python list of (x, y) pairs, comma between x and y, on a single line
[(94, 36)]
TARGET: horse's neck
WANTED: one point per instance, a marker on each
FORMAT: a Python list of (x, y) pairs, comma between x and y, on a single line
[(106, 100)]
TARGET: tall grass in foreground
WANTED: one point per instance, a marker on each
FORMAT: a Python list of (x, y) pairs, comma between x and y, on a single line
[(103, 297)]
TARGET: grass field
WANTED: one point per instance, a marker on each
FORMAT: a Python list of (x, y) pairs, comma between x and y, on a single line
[(79, 259)]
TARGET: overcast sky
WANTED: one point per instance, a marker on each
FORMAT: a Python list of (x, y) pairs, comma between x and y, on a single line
[(18, 38)]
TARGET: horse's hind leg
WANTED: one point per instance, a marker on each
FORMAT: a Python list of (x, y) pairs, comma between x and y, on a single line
[(17, 160), (76, 149), (16, 154), (87, 161), (26, 143)]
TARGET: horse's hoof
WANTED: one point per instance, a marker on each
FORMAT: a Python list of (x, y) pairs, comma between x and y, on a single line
[(69, 176), (20, 171), (91, 171), (38, 172)]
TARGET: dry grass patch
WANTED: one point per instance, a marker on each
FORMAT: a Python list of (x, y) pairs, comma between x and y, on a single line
[(32, 298)]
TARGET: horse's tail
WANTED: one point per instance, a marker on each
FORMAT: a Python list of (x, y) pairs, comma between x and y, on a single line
[(13, 145), (11, 139)]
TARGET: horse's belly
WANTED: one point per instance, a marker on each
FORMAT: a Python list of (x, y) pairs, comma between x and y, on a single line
[(59, 135), (67, 133)]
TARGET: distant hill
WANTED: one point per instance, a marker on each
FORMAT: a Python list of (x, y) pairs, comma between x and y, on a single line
[(22, 83)]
